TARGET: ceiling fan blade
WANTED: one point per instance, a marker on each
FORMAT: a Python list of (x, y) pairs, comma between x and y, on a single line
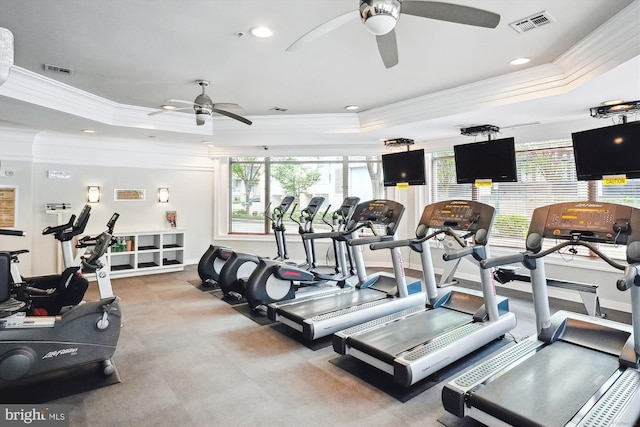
[(451, 13), (323, 29), (227, 105), (153, 113), (388, 48), (179, 101), (233, 116)]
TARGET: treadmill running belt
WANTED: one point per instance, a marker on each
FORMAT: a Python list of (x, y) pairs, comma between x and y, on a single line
[(547, 389), (387, 342), (308, 309)]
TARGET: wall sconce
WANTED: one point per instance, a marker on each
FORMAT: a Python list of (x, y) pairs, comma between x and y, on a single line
[(93, 194), (163, 195)]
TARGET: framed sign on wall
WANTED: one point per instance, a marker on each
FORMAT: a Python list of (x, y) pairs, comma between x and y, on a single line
[(8, 206), (129, 195)]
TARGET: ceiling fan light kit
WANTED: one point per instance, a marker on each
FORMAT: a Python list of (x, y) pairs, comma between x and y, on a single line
[(380, 17)]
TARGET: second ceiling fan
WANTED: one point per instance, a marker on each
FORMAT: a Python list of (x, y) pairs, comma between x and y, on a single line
[(381, 16)]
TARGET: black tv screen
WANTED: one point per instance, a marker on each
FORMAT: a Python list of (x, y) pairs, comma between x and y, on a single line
[(612, 150), (403, 167), (494, 159)]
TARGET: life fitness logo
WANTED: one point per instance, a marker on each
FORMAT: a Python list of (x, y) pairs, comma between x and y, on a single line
[(42, 416), (71, 351)]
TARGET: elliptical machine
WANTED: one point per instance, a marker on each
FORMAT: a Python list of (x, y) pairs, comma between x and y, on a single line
[(216, 256), (240, 265), (273, 281)]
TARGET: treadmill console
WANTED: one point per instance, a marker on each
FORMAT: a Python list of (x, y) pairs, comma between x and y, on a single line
[(459, 215), (597, 222), (379, 212)]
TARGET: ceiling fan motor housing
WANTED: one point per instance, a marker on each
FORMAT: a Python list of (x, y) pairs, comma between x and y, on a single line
[(380, 16), (203, 104)]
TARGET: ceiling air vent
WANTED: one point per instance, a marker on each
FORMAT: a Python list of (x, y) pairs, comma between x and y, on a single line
[(58, 69), (532, 22)]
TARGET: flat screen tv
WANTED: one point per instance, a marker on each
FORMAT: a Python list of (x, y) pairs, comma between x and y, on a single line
[(403, 167), (494, 159), (612, 150)]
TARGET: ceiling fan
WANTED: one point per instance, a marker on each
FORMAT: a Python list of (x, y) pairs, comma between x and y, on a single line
[(380, 18), (203, 106)]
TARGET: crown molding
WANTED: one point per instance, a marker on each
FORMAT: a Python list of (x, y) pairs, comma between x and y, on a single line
[(613, 43), (16, 144), (116, 152)]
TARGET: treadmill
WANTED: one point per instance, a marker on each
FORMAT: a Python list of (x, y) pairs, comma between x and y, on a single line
[(372, 296), (579, 370), (412, 344)]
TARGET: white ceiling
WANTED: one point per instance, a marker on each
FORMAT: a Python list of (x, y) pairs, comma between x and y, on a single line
[(132, 55)]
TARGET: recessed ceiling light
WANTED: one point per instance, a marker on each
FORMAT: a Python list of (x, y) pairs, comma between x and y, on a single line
[(261, 32), (613, 102), (519, 61), (169, 107), (351, 107), (207, 142), (88, 131)]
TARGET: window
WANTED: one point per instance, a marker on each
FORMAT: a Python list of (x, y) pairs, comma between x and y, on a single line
[(259, 184), (546, 175)]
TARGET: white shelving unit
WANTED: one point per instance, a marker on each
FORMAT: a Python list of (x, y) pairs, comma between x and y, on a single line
[(146, 252)]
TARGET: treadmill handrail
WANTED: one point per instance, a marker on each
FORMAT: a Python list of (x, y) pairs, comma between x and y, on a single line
[(467, 250), (415, 241), (367, 240), (520, 257), (628, 279), (503, 260), (322, 235)]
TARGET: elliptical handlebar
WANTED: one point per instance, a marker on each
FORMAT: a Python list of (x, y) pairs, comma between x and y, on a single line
[(324, 215), (291, 215), (266, 212)]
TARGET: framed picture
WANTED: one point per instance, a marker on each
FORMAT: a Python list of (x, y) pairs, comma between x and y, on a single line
[(129, 195), (8, 206)]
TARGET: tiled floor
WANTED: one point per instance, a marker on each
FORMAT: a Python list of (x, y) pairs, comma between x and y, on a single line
[(187, 358)]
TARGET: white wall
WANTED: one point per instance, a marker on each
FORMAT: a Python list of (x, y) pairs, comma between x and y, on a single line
[(186, 171)]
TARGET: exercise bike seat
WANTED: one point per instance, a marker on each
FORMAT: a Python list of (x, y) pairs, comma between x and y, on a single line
[(54, 293)]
